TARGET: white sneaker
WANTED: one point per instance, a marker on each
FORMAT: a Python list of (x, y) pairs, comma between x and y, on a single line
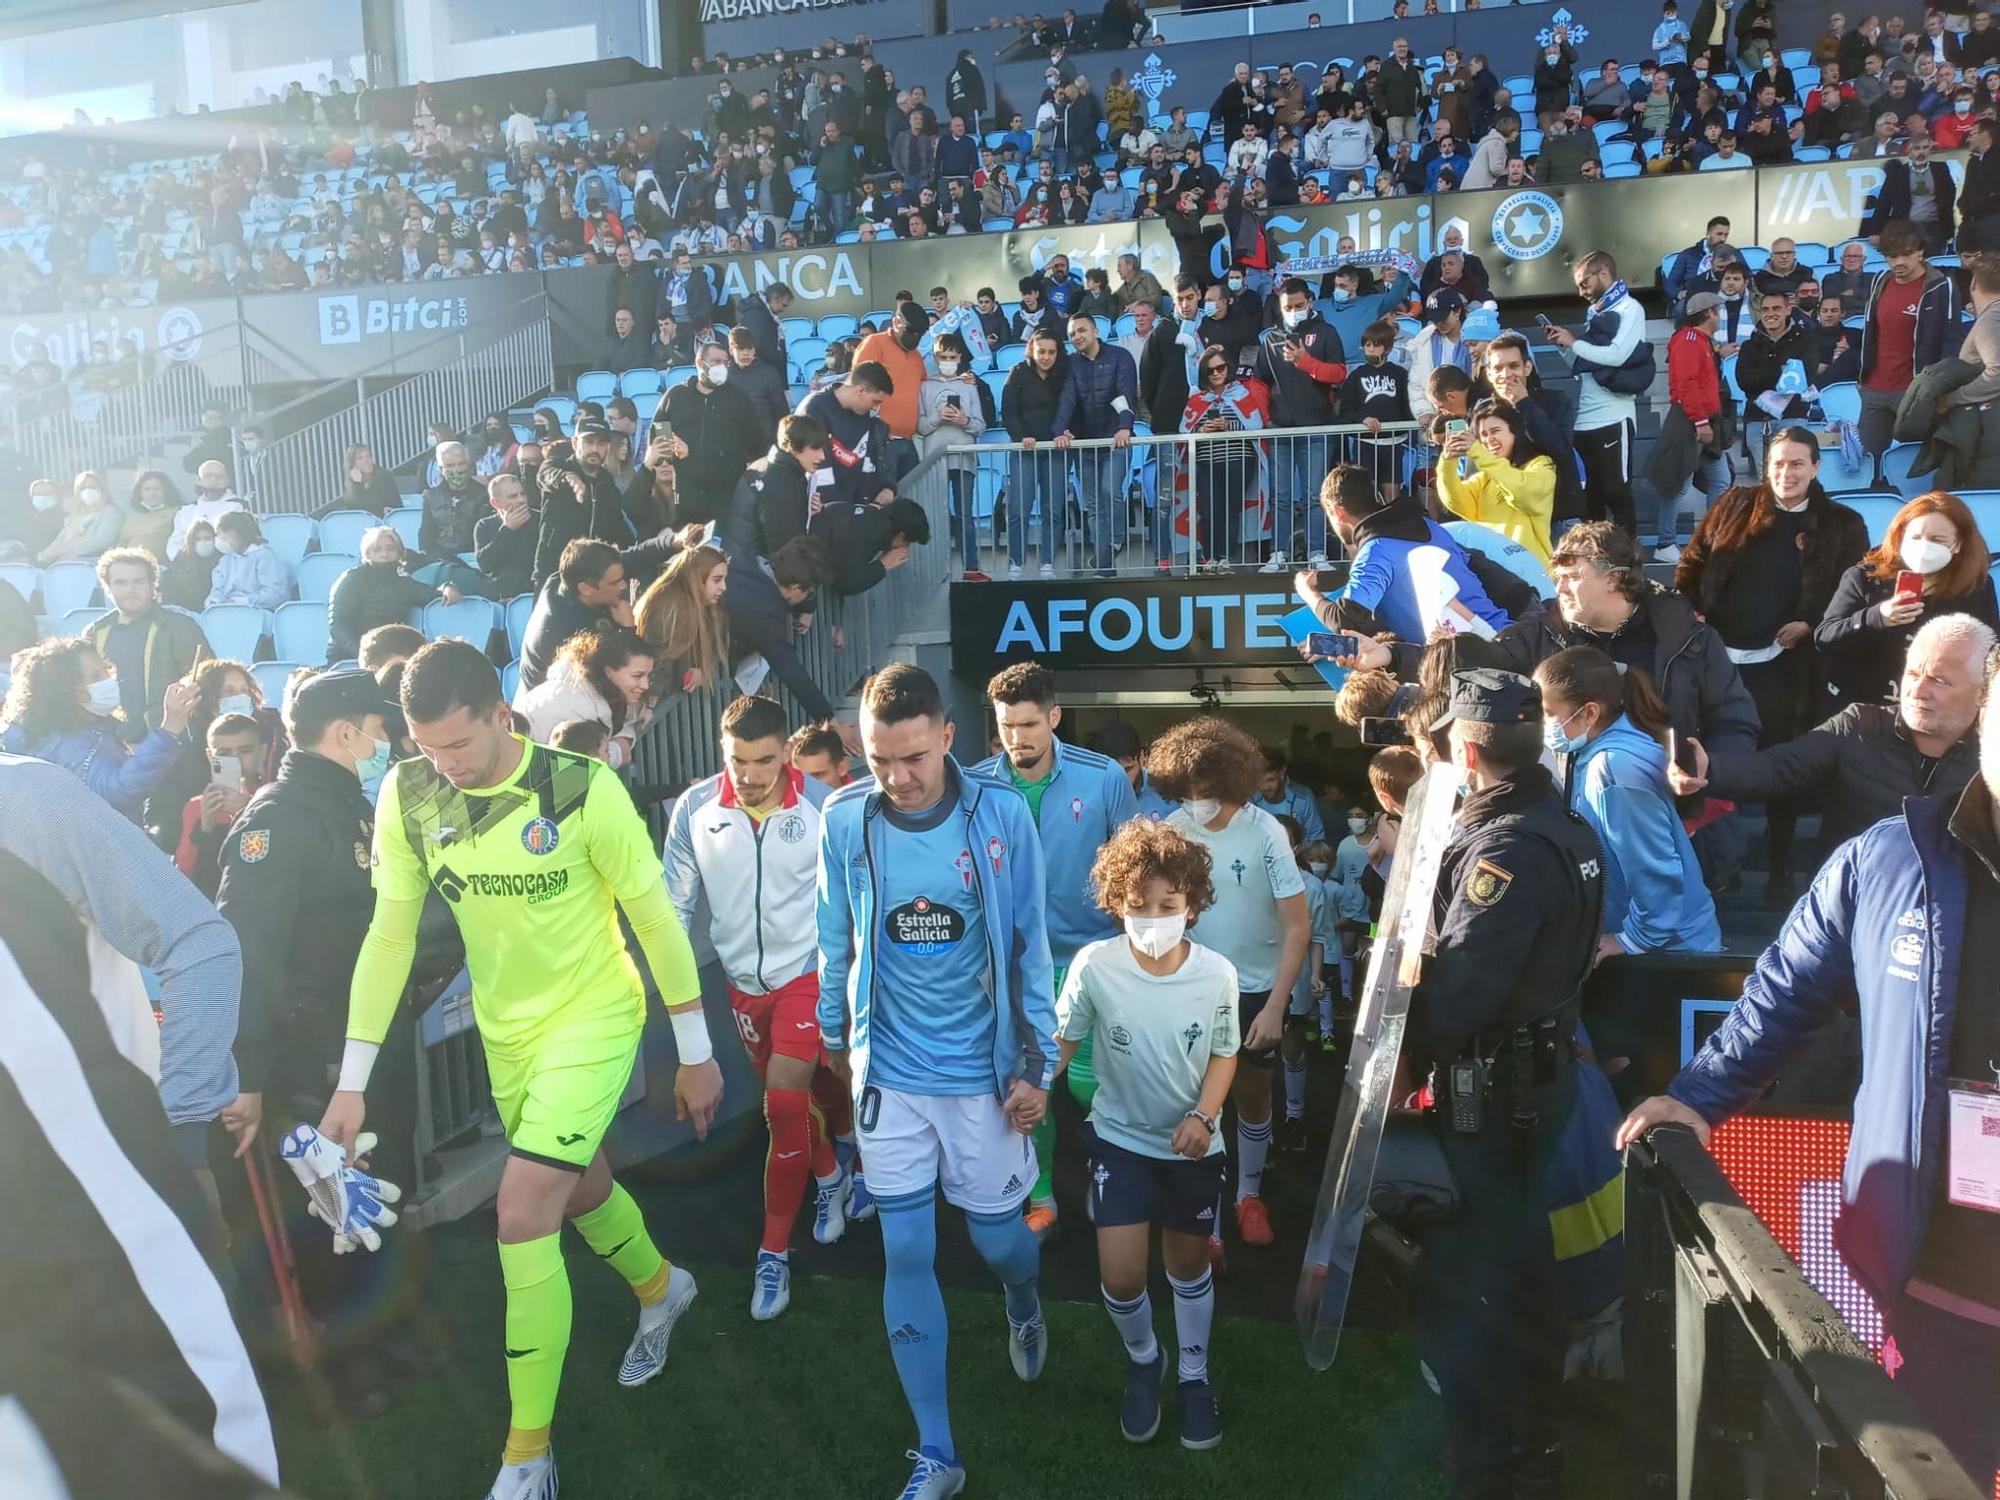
[(1013, 572), (771, 1289), (1028, 1346), (533, 1480), (932, 1478), (830, 1209), (1048, 571), (1319, 562), (1667, 554), (646, 1355), (1276, 563)]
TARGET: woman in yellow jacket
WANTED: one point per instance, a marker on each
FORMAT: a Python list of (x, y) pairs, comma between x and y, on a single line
[(1513, 484)]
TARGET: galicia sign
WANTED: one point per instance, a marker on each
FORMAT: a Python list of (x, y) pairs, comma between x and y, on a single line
[(1121, 623)]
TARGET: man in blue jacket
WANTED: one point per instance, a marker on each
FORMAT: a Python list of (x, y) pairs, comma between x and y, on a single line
[(1077, 799), (937, 1007), (1896, 917), (1100, 399)]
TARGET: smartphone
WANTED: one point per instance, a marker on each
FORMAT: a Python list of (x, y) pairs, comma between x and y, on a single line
[(1455, 426), (1384, 732), (952, 402), (1543, 319), (1325, 643), (1909, 585), (225, 771)]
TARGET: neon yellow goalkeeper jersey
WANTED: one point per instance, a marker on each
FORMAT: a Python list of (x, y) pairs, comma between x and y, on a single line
[(533, 869)]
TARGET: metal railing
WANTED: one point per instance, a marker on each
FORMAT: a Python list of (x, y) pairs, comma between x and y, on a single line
[(130, 412), (848, 639), (1167, 503), (459, 378)]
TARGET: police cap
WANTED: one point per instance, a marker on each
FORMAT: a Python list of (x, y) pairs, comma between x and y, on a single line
[(1486, 695), (350, 693)]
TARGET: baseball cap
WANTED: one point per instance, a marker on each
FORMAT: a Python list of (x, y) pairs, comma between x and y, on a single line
[(350, 693), (1442, 303), (1481, 325), (1700, 303), (1486, 695), (585, 426)]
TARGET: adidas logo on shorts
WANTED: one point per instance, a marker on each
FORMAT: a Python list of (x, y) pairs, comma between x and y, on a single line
[(1206, 1213), (907, 1334)]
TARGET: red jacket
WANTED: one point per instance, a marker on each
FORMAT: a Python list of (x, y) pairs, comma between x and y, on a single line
[(1693, 382), (1821, 98)]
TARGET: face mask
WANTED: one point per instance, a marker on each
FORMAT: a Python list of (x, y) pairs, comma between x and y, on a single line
[(1296, 315), (1203, 810), (235, 703), (227, 546), (457, 481), (1553, 58), (251, 445), (1235, 283), (717, 375), (90, 496), (1961, 107), (1319, 868), (1356, 825), (204, 549), (373, 769), (1922, 555), (947, 368), (42, 502), (104, 696), (1558, 739), (1156, 937), (1342, 295), (1701, 72)]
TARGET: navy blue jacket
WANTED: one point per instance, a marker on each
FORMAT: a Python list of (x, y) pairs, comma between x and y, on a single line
[(1085, 409)]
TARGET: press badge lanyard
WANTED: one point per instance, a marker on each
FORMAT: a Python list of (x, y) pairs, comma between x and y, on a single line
[(1972, 1143)]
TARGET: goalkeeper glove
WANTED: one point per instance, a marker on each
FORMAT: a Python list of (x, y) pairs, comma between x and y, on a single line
[(350, 1202)]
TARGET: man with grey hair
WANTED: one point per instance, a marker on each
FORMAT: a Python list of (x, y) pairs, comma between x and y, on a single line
[(452, 507), (1866, 759), (1904, 920)]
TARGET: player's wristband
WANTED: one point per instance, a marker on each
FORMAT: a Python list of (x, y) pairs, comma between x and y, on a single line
[(691, 1036), (357, 1061)]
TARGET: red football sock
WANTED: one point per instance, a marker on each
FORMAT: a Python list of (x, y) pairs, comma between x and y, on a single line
[(789, 1112)]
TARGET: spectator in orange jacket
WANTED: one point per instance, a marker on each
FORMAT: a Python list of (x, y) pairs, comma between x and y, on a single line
[(241, 759)]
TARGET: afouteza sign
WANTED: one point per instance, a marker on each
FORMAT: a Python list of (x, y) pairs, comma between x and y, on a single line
[(1122, 623)]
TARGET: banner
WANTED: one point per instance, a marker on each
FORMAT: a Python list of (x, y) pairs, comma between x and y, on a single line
[(745, 27), (178, 331), (1823, 202), (356, 330), (1123, 624)]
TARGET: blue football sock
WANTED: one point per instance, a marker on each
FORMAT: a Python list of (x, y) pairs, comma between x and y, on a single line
[(913, 1309), (1009, 1247)]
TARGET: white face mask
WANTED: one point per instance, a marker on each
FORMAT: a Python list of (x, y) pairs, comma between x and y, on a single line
[(90, 495), (235, 703), (947, 368), (1203, 810), (1356, 825), (227, 546), (204, 549), (1296, 315), (718, 374), (1156, 937), (1922, 555), (104, 698), (43, 501), (1318, 867)]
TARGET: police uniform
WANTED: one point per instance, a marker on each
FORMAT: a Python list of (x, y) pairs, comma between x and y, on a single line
[(295, 886), (1515, 924)]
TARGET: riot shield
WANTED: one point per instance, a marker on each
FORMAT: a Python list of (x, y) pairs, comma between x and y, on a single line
[(1341, 1213)]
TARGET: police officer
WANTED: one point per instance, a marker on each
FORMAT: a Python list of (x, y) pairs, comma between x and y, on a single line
[(1515, 922), (295, 886)]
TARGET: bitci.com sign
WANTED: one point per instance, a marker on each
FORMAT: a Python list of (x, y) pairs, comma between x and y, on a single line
[(348, 319)]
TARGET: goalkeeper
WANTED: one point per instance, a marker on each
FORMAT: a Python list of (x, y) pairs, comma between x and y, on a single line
[(536, 850)]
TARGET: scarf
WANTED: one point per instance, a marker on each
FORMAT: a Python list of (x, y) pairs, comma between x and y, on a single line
[(1613, 295)]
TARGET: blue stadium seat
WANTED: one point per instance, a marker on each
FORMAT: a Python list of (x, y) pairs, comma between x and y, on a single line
[(1616, 153), (796, 328), (1841, 402), (408, 521), (806, 354), (1896, 470), (678, 375), (639, 385), (1837, 476), (317, 571), (340, 530), (1811, 153), (1009, 355), (291, 537), (235, 630), (298, 632), (996, 382), (510, 680), (67, 586), (562, 406), (79, 621), (1618, 169), (1813, 253), (596, 385), (472, 619), (271, 678), (518, 609), (23, 578), (1877, 510)]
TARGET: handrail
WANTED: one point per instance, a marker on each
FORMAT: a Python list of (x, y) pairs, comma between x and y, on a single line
[(1790, 1322)]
